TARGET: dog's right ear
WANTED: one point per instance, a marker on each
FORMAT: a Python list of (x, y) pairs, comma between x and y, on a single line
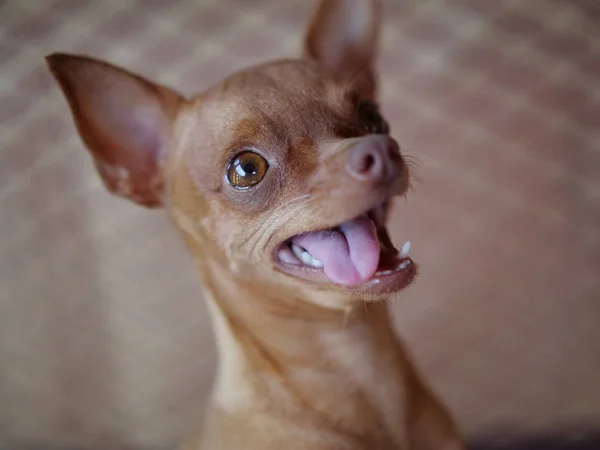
[(124, 120)]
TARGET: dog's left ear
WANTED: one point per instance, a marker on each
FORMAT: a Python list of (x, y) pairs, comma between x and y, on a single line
[(343, 35), (124, 120)]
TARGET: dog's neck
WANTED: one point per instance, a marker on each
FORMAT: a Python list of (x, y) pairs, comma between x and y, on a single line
[(345, 368)]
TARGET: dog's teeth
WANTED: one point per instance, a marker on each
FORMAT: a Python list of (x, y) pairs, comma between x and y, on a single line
[(297, 251), (316, 263), (405, 249), (310, 261), (285, 255), (404, 265), (305, 257)]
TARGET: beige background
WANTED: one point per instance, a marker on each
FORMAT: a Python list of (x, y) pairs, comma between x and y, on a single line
[(103, 334)]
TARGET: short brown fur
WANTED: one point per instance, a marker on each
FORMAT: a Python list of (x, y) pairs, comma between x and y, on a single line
[(303, 364)]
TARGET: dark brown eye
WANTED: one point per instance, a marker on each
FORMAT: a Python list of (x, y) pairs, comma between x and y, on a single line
[(246, 170), (371, 118)]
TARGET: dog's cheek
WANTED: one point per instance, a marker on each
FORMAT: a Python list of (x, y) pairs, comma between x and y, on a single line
[(236, 236)]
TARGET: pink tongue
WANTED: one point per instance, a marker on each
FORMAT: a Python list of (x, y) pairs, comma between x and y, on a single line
[(349, 256)]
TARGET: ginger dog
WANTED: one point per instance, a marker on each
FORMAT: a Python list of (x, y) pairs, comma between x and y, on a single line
[(280, 179)]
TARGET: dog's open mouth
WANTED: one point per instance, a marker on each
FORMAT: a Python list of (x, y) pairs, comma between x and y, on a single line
[(356, 252)]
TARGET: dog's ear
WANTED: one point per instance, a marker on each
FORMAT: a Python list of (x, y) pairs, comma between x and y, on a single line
[(124, 120), (343, 35)]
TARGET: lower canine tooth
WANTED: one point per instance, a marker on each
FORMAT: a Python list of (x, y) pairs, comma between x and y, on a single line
[(404, 265), (405, 249)]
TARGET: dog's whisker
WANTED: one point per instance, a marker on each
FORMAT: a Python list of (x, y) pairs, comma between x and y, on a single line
[(304, 197), (413, 177), (346, 318)]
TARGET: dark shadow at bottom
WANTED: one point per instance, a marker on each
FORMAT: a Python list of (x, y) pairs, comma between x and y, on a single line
[(581, 440)]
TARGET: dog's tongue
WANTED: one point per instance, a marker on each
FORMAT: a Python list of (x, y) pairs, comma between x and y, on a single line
[(350, 256)]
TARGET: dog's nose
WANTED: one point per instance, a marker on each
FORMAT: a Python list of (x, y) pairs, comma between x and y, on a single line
[(375, 158)]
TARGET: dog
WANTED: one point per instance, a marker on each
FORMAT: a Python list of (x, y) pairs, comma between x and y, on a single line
[(280, 180)]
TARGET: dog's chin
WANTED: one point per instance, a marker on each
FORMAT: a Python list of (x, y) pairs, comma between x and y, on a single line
[(356, 257)]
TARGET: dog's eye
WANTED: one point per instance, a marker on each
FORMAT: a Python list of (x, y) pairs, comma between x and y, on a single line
[(371, 119), (246, 170)]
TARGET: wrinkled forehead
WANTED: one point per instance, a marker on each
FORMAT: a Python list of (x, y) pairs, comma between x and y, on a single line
[(279, 103)]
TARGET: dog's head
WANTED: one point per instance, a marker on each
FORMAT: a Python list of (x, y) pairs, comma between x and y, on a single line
[(282, 172)]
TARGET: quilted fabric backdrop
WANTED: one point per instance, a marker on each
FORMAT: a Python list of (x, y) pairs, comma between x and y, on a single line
[(104, 339)]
